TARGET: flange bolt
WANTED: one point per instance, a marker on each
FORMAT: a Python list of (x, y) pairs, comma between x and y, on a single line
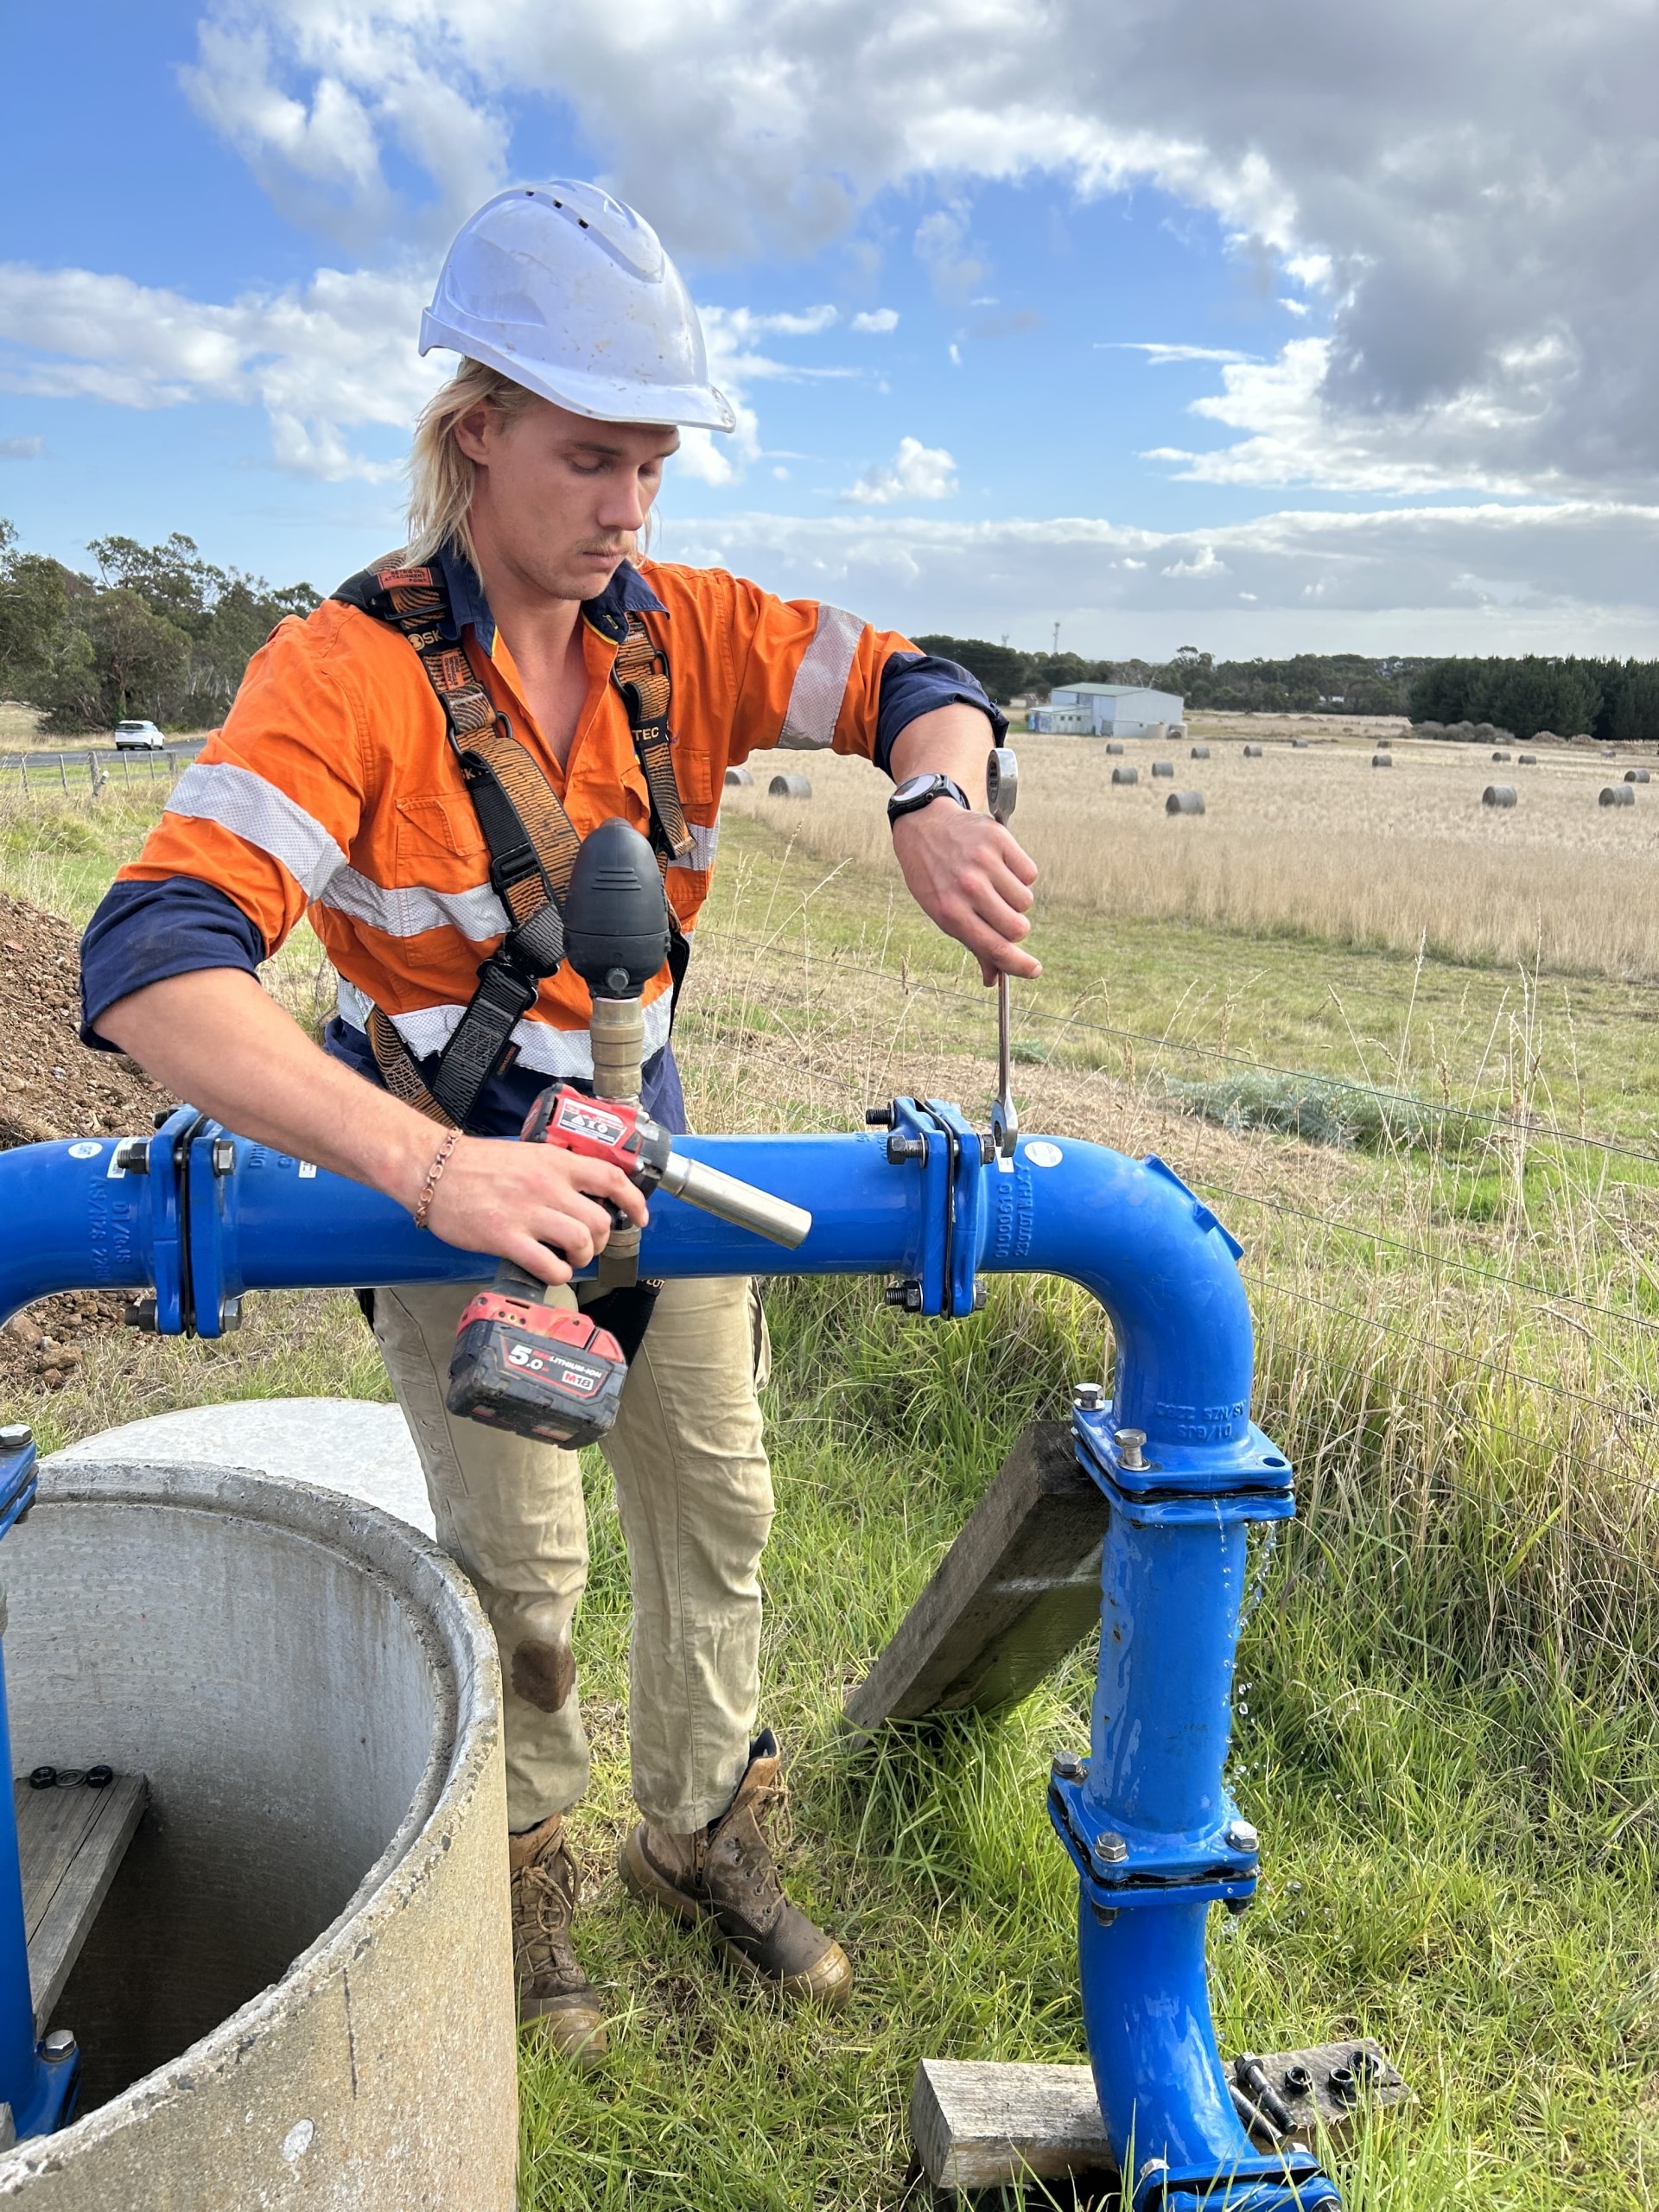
[(878, 1117), (908, 1294), (230, 1315), (59, 2044), (901, 1148), (1088, 1397), (223, 1156), (1131, 1449), (162, 1116), (1068, 1767), (132, 1156), (1239, 1835), (1110, 1848), (16, 1436)]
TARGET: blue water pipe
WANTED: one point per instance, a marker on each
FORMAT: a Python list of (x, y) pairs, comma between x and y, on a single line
[(195, 1217)]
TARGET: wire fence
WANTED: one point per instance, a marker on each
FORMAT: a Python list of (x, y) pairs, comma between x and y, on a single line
[(93, 769)]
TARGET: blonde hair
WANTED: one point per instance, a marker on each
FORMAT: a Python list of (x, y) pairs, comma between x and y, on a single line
[(442, 477)]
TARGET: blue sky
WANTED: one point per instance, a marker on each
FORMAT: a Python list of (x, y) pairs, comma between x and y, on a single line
[(1329, 337)]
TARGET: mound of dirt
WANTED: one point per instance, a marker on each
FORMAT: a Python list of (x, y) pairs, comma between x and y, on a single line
[(52, 1086)]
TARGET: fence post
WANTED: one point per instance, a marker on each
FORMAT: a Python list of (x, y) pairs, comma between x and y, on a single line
[(63, 772)]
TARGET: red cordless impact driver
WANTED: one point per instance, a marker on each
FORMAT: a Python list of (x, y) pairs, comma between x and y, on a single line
[(540, 1371)]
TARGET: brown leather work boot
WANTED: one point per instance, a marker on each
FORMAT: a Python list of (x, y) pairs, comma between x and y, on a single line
[(724, 1874), (553, 1991)]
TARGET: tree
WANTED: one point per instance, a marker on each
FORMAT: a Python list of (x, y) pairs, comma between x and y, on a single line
[(160, 631), (999, 668)]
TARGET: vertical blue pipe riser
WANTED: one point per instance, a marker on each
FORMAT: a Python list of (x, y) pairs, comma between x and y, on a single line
[(1130, 1232)]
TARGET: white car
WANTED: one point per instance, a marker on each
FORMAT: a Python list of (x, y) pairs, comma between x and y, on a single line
[(138, 737)]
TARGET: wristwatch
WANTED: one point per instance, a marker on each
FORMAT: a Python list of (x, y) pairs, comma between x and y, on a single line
[(921, 791)]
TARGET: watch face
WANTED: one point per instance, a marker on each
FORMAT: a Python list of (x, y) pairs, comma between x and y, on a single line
[(912, 785)]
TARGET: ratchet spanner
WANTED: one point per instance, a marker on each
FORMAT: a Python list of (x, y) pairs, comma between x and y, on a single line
[(1001, 789)]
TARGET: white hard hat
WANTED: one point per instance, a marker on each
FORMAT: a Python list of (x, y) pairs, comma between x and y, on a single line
[(570, 294)]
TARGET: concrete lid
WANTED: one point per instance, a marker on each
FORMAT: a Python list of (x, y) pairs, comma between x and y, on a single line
[(349, 1445)]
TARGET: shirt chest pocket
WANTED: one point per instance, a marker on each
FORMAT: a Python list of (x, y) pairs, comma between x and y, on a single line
[(436, 830)]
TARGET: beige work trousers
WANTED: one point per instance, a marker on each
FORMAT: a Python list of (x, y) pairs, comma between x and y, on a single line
[(694, 1492)]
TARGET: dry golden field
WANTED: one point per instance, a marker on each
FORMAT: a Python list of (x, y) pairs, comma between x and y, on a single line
[(1312, 842)]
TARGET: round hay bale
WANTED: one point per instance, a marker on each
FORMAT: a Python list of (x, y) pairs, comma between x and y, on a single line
[(736, 778), (1252, 753), (1619, 795), (1635, 775), (1526, 759), (789, 787), (1184, 803), (1199, 752), (1126, 775), (1499, 795), (1298, 745), (1178, 729), (1116, 746), (1500, 756), (1381, 761), (1163, 767)]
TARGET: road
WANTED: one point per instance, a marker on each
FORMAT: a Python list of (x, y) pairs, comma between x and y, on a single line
[(72, 759)]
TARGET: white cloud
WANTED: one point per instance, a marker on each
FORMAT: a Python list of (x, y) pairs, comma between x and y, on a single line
[(879, 320), (1464, 192), (1158, 355), (21, 448), (916, 471), (1580, 575), (324, 358)]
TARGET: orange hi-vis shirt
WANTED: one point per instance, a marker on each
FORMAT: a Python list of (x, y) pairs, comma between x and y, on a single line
[(332, 789)]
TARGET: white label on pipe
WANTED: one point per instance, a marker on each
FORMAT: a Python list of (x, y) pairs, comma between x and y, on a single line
[(1041, 1153)]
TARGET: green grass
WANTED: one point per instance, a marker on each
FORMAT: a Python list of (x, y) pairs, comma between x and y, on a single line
[(1448, 1728)]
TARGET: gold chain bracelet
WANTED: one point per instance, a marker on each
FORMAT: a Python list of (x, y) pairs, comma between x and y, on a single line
[(440, 1161)]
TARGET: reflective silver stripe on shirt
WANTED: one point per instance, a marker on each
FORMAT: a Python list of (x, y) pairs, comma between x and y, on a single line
[(704, 843), (821, 682), (410, 909), (558, 1052), (255, 811)]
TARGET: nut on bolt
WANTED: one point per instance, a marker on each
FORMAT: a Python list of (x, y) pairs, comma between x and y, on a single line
[(1110, 1848), (16, 1436), (59, 2044), (223, 1156), (1240, 1835), (132, 1156), (907, 1293), (878, 1117), (1068, 1767), (1088, 1397), (1131, 1449), (901, 1149)]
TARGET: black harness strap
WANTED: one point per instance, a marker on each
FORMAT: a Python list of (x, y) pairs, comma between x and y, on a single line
[(531, 841)]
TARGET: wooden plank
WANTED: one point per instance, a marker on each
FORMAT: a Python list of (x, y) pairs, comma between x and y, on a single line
[(981, 2124), (1018, 1590), (69, 1844)]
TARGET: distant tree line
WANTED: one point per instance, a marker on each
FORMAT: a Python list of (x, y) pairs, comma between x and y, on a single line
[(157, 633), (1344, 683), (1615, 700)]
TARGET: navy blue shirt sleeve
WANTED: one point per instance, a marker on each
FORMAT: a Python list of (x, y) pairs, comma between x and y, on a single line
[(913, 685), (144, 932)]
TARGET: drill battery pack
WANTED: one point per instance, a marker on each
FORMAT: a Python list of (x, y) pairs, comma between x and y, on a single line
[(538, 1370)]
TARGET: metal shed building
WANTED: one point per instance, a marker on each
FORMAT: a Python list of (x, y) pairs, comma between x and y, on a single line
[(1108, 710)]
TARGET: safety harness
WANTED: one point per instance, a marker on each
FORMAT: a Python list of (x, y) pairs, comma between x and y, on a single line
[(532, 844)]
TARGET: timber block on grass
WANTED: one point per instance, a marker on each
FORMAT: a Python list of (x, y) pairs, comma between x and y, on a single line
[(1018, 1590), (70, 1843), (983, 2124)]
